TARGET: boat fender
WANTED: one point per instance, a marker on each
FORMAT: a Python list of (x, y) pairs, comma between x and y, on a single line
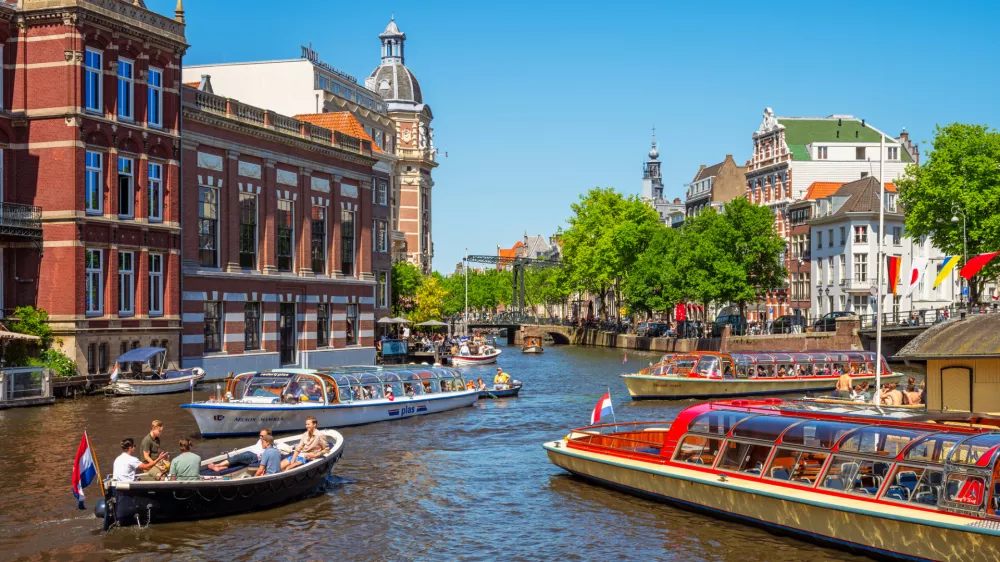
[(198, 371), (100, 509)]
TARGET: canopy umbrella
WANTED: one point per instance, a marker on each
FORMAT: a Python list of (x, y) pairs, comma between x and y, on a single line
[(5, 335), (385, 320), (400, 320), (432, 323)]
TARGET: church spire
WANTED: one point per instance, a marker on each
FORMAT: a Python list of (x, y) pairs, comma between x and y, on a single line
[(392, 43), (179, 11)]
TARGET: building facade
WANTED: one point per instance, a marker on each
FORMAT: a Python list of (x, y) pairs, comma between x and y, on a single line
[(90, 134), (792, 153), (278, 240), (714, 186)]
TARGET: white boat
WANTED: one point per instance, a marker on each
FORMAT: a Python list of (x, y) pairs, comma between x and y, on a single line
[(489, 355), (141, 371), (283, 399)]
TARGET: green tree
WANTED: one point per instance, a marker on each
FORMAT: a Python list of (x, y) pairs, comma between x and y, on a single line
[(960, 178), (35, 322), (752, 262), (406, 279), (650, 286), (429, 300)]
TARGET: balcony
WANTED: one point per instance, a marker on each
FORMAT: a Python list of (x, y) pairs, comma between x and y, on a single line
[(24, 221), (857, 286)]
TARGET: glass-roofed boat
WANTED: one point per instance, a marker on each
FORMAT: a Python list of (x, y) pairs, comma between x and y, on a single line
[(708, 374), (282, 399)]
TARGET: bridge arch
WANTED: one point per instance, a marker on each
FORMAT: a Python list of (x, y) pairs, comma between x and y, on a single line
[(558, 338)]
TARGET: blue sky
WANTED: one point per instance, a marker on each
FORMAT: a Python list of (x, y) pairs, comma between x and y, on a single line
[(537, 102)]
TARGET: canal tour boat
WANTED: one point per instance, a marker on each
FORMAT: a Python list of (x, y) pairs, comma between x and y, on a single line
[(706, 374), (532, 344), (283, 399), (217, 494), (922, 487), (486, 356), (141, 371)]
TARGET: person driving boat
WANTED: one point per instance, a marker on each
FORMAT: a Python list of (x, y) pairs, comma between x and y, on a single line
[(502, 380)]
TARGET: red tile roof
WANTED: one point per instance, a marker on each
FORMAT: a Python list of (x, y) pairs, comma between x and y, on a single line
[(193, 84), (824, 189), (341, 121)]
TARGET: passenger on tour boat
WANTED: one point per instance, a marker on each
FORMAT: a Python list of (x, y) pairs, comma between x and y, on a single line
[(464, 349), (844, 385), (312, 445), (890, 396), (408, 390), (246, 457), (913, 394), (187, 465), (126, 464), (150, 447), (270, 458)]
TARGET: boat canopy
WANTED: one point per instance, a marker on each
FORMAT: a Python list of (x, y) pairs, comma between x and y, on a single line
[(140, 354)]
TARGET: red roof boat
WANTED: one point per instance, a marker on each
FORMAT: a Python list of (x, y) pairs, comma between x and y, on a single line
[(914, 487)]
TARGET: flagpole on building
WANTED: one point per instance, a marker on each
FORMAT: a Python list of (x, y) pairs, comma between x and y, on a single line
[(97, 467), (466, 291), (881, 258)]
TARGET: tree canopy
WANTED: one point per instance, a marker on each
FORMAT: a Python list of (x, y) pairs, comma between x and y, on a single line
[(406, 279)]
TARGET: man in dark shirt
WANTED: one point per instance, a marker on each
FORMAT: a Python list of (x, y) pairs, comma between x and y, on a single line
[(149, 450)]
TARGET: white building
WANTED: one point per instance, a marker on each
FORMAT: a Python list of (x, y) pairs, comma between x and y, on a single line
[(844, 255)]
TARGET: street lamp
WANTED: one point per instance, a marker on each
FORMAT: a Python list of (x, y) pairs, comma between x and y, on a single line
[(956, 208)]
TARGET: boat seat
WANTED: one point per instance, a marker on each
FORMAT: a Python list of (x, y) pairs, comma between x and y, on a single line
[(229, 470), (779, 473), (834, 483), (898, 493)]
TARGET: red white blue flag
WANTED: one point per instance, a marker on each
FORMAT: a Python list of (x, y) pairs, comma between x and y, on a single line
[(84, 469), (602, 409), (625, 359)]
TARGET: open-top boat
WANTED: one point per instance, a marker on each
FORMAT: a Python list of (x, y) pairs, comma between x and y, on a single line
[(707, 374), (913, 487), (504, 391), (487, 354), (217, 494), (142, 371), (340, 397), (532, 344)]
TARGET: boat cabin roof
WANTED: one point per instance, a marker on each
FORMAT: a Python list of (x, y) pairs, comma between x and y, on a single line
[(140, 354), (361, 375)]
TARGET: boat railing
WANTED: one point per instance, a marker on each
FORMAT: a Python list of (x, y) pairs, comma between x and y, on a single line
[(639, 437)]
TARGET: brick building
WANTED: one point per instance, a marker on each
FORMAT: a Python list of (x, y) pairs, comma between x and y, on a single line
[(90, 134), (715, 185), (278, 240)]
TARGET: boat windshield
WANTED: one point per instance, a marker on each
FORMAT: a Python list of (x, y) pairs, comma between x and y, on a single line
[(680, 366), (766, 428), (708, 366), (267, 386), (717, 422), (876, 440), (976, 451), (819, 434)]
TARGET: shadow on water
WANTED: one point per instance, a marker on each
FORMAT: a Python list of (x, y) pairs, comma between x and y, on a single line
[(470, 484)]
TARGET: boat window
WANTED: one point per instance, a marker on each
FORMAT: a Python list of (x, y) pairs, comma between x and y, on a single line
[(856, 476), (797, 467), (744, 457), (412, 389), (717, 422), (708, 366), (820, 434), (766, 428), (727, 369), (915, 484), (267, 387), (680, 366), (979, 450), (744, 367), (877, 440), (965, 489), (933, 448), (304, 389), (696, 449)]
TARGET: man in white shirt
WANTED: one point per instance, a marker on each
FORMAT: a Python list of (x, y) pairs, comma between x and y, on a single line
[(126, 464), (247, 458), (406, 332)]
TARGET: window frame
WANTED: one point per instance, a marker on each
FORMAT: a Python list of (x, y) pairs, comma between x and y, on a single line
[(157, 91), (317, 245), (126, 283), (288, 230), (217, 325), (97, 176), (98, 73), (244, 234), (323, 325), (253, 322), (130, 83), (351, 329), (348, 241), (383, 192), (130, 177), (155, 203), (156, 274), (203, 220), (94, 274)]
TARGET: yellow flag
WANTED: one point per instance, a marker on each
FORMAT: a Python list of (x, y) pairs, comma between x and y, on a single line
[(949, 264)]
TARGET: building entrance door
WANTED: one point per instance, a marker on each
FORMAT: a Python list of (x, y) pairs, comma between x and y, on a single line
[(956, 389), (286, 333)]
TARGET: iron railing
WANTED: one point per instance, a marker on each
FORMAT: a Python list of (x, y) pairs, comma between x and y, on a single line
[(20, 220)]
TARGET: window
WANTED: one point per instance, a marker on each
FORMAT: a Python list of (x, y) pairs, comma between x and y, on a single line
[(94, 184), (248, 230), (821, 153), (319, 240), (819, 240), (251, 326), (861, 233), (829, 266), (797, 467), (861, 267), (855, 476), (323, 325), (93, 78), (213, 326), (126, 178), (285, 233), (352, 324), (893, 153), (864, 175), (126, 87), (383, 237), (843, 268), (347, 242), (696, 449), (95, 282), (208, 226), (154, 98), (829, 243), (744, 457), (155, 284), (126, 285), (382, 290), (383, 191), (155, 172), (92, 359), (859, 153), (843, 236), (897, 235), (102, 357)]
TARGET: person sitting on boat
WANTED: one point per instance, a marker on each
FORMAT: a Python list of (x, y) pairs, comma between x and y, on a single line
[(480, 385), (502, 380), (150, 447), (187, 465), (294, 393), (246, 458), (270, 458), (890, 396), (312, 445), (126, 464), (470, 385), (408, 390), (844, 385), (912, 393), (464, 349), (728, 374)]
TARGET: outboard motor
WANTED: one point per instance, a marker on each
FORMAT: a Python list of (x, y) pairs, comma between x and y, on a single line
[(100, 509)]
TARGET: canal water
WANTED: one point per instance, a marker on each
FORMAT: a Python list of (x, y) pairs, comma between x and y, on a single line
[(470, 484)]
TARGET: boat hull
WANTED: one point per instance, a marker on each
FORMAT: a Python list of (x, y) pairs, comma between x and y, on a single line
[(872, 529), (129, 387), (653, 387), (232, 418), (532, 349), (143, 503), (505, 393), (468, 360)]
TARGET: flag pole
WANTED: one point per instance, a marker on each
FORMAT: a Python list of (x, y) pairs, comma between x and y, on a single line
[(97, 467), (881, 240), (613, 417)]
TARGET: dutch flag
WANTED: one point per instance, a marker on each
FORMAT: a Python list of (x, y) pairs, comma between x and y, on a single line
[(84, 469), (114, 374), (603, 408)]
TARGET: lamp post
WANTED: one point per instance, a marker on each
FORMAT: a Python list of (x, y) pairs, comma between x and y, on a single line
[(957, 208)]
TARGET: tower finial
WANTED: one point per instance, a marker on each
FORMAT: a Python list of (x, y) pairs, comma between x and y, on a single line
[(392, 16), (653, 152), (179, 11)]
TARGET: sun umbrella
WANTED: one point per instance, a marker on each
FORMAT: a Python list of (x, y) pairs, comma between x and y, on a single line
[(385, 320), (400, 320), (432, 323)]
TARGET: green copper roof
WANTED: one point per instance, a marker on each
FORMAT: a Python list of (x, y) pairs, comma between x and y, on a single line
[(800, 132)]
